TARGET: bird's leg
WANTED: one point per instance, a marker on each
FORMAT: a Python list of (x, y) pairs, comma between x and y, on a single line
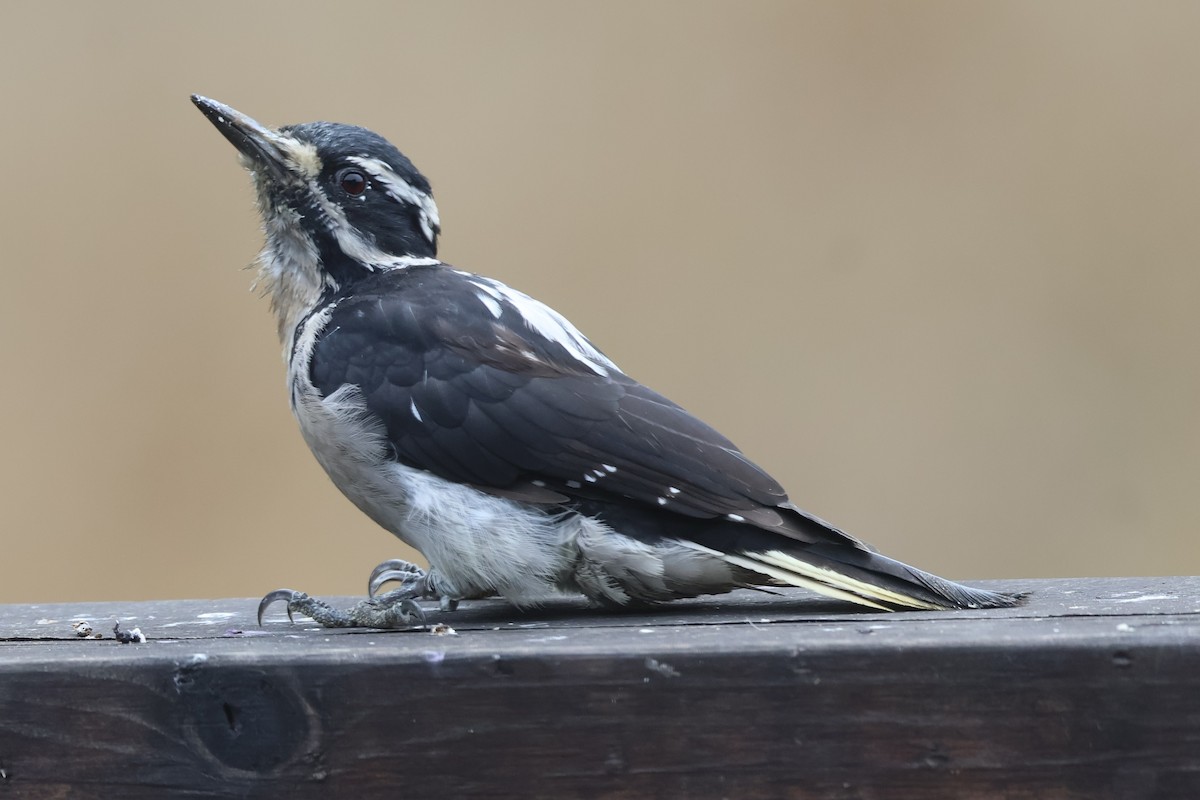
[(395, 609)]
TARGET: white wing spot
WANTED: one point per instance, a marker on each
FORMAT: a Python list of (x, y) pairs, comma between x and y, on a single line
[(590, 478), (412, 406), (735, 518), (539, 484), (547, 322), (483, 287), (573, 484), (491, 304), (609, 468), (662, 501), (672, 490)]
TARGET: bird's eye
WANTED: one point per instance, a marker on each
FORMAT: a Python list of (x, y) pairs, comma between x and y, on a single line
[(352, 181)]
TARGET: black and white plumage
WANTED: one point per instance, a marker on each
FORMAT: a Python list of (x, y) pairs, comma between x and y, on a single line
[(480, 427)]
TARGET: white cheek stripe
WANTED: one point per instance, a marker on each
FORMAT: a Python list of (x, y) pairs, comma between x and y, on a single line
[(404, 192), (354, 244)]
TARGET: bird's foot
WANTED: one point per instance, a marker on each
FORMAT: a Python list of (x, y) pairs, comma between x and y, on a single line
[(393, 610)]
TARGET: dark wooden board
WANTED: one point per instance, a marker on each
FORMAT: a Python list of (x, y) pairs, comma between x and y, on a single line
[(1089, 690)]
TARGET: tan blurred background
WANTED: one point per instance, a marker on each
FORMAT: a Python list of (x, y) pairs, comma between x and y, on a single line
[(935, 265)]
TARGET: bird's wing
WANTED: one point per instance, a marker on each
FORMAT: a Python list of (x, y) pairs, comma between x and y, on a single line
[(476, 388)]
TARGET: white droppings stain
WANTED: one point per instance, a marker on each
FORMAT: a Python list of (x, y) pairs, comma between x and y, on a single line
[(434, 656), (1124, 626), (646, 630), (662, 668), (1146, 597), (207, 618), (546, 638)]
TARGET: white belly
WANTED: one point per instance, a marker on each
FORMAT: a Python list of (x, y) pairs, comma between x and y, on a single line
[(477, 543)]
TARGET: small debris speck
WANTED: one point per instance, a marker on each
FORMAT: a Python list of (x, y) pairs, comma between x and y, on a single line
[(128, 637)]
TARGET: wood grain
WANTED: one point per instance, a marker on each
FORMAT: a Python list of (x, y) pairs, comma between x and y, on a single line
[(1089, 690)]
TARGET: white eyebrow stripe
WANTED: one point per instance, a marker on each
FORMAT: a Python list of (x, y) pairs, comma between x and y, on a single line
[(403, 191)]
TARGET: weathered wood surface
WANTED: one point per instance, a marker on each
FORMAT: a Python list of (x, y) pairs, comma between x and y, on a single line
[(1090, 690)]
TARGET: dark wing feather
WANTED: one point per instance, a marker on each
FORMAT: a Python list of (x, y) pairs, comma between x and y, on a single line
[(485, 390), (490, 402)]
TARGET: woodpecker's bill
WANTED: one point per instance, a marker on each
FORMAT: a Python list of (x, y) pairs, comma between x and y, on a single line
[(480, 427)]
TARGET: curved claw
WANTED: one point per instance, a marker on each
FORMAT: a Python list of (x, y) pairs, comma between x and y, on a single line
[(395, 569), (410, 609), (388, 576), (287, 595)]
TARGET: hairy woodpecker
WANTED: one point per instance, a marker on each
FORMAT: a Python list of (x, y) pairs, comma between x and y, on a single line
[(482, 428)]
